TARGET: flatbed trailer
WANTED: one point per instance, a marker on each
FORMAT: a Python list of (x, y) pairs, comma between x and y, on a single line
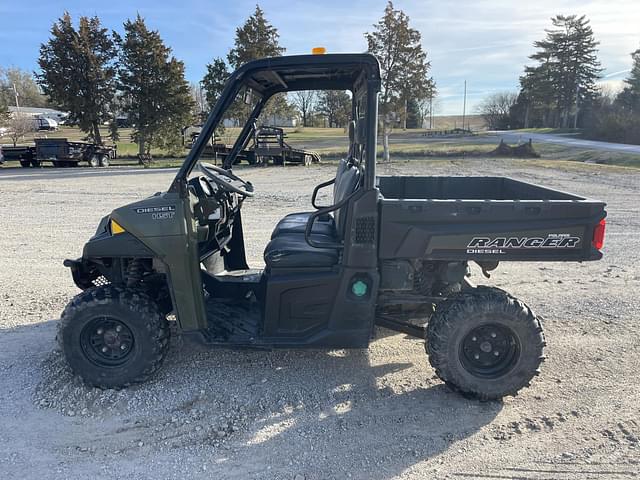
[(270, 145), (60, 152)]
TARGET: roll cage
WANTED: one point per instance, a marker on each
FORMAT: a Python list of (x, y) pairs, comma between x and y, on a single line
[(358, 73)]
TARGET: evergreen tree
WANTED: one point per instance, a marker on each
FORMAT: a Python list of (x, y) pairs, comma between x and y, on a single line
[(404, 66), (214, 81), (564, 80), (78, 73), (156, 95), (335, 105), (629, 98), (256, 39)]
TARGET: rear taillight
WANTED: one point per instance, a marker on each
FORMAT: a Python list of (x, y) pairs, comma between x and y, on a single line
[(598, 235)]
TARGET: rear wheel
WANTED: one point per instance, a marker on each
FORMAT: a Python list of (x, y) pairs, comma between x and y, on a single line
[(35, 163), (25, 163), (113, 337), (94, 161), (104, 161), (485, 343)]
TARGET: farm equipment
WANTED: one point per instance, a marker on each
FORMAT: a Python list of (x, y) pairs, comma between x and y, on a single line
[(61, 153), (388, 251)]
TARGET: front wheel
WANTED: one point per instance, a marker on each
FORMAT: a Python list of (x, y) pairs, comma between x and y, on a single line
[(113, 337), (485, 343)]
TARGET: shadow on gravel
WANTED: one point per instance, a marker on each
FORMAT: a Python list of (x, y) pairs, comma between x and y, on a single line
[(366, 428), (320, 414)]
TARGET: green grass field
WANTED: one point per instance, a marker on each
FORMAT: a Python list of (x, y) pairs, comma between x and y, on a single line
[(331, 144)]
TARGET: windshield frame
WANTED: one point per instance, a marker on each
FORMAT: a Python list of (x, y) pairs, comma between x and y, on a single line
[(366, 66)]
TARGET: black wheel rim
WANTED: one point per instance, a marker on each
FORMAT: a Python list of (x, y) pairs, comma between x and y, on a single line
[(489, 351), (107, 342)]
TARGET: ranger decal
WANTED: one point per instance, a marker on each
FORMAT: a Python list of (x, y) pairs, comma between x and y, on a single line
[(500, 245)]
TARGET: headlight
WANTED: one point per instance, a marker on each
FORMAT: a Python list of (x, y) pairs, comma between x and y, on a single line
[(115, 227)]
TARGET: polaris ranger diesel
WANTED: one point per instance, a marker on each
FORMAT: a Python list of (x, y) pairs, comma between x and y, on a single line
[(389, 251)]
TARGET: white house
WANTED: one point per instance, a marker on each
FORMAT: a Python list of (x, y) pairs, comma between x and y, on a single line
[(56, 115)]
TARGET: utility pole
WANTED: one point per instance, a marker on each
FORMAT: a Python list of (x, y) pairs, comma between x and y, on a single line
[(575, 117), (15, 91), (464, 104), (431, 112)]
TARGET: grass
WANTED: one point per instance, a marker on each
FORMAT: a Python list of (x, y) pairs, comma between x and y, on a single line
[(553, 131), (401, 148)]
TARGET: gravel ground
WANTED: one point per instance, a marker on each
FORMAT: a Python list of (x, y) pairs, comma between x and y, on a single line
[(364, 414)]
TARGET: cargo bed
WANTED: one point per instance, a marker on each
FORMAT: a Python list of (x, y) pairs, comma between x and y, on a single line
[(486, 219)]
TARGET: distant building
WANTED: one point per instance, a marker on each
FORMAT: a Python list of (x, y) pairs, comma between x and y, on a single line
[(50, 113)]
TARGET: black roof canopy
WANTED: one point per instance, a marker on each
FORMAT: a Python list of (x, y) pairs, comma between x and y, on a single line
[(307, 72), (268, 76)]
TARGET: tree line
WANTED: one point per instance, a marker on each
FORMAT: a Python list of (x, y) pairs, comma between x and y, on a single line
[(95, 74), (560, 88), (407, 88)]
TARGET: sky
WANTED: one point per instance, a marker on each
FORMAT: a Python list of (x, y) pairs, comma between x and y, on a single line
[(484, 42)]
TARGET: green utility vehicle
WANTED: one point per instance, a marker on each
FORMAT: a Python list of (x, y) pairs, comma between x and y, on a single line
[(389, 251)]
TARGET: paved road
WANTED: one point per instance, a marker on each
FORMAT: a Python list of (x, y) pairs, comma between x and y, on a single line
[(515, 136)]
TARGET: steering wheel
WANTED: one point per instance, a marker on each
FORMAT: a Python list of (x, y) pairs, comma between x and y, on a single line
[(226, 180)]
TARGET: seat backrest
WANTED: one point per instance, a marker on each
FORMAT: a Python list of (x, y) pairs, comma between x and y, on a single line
[(347, 181)]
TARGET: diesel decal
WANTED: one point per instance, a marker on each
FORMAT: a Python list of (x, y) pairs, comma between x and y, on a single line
[(167, 208), (500, 245)]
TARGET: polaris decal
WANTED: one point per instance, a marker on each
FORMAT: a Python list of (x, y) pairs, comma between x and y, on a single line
[(500, 245)]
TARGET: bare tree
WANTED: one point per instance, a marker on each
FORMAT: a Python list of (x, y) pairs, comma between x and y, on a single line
[(19, 125), (496, 109), (304, 101)]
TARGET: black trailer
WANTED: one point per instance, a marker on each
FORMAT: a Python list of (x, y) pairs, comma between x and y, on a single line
[(64, 153), (25, 154), (60, 152), (269, 145), (266, 145)]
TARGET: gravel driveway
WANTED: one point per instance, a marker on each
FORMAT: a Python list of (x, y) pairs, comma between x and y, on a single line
[(363, 414)]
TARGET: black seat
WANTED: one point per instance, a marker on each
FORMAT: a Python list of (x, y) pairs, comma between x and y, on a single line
[(292, 250), (288, 247), (297, 222)]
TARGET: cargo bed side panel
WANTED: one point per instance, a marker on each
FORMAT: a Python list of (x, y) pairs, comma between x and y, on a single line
[(559, 229)]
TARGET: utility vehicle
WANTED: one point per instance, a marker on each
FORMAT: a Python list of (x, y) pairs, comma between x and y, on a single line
[(390, 251)]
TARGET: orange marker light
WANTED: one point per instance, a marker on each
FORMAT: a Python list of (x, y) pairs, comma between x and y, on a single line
[(318, 51)]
